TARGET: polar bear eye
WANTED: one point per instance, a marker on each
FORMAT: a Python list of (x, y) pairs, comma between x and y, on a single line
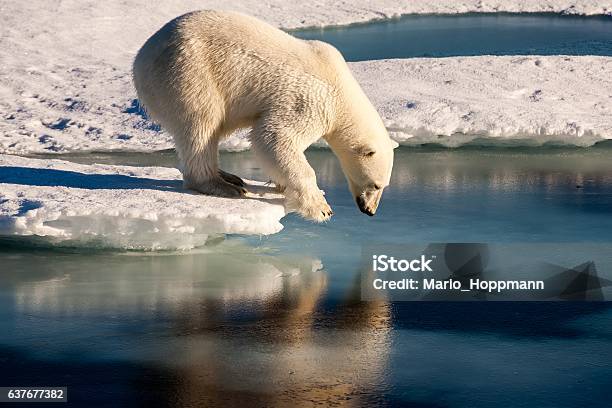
[(370, 154)]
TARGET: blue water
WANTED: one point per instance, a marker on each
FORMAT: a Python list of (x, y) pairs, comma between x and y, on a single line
[(470, 195), (277, 320), (469, 34)]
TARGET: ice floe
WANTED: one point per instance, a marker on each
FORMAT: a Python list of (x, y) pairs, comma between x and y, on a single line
[(515, 99), (122, 206)]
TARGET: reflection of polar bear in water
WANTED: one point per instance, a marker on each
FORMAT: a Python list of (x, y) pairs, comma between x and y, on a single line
[(208, 73)]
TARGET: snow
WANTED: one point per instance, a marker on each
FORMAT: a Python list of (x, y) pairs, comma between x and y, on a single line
[(530, 100), (124, 207), (65, 82)]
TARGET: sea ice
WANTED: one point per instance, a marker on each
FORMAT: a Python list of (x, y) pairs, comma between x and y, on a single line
[(122, 206), (526, 100)]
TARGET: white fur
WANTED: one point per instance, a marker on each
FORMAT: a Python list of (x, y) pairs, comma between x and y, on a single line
[(207, 73)]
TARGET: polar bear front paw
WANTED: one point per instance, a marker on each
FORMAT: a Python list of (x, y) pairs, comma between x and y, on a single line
[(217, 187), (321, 213), (313, 208), (318, 212)]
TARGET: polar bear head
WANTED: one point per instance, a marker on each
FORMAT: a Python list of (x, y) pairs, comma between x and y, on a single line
[(367, 165)]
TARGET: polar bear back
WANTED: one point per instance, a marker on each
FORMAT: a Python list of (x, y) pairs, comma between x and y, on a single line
[(230, 65)]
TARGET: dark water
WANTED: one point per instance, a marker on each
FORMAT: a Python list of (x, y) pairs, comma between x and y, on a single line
[(278, 321), (469, 34)]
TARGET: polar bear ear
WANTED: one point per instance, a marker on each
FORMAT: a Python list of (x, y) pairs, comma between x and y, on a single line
[(394, 144)]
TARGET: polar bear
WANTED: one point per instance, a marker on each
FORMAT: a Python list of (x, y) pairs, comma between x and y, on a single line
[(208, 73)]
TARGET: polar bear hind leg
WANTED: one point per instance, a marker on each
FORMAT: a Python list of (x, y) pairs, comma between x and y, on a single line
[(194, 118), (198, 154)]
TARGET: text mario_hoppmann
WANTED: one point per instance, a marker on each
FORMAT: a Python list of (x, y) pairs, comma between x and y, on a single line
[(385, 263)]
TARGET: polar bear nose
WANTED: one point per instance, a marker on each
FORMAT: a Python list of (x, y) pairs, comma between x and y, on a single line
[(366, 211), (363, 207)]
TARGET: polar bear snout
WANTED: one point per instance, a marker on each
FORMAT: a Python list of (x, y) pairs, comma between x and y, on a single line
[(368, 201)]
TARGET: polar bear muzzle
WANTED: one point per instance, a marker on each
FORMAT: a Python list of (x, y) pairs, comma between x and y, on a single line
[(368, 201)]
